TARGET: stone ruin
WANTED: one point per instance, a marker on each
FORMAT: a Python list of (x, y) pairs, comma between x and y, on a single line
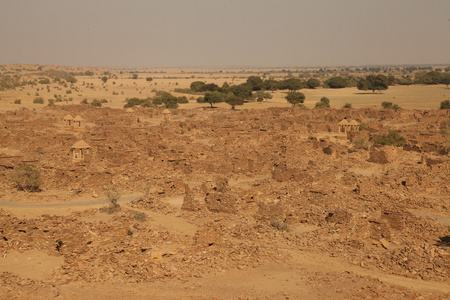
[(79, 151), (345, 126), (76, 123), (166, 114)]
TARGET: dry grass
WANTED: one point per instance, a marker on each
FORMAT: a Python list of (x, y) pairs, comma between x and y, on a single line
[(407, 97)]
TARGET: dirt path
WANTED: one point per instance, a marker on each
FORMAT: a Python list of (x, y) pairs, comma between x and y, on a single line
[(34, 210), (323, 262)]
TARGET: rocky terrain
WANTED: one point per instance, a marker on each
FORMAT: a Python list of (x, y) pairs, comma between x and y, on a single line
[(276, 195)]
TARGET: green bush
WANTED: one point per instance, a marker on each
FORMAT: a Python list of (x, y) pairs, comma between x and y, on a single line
[(445, 104), (17, 101), (347, 105), (96, 103), (38, 100), (396, 107), (51, 102), (391, 138), (84, 101), (361, 143), (363, 126), (44, 81), (182, 99), (386, 105), (132, 102), (27, 179), (140, 216), (324, 103)]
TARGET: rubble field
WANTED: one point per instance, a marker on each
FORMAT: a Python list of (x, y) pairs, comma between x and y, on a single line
[(219, 204)]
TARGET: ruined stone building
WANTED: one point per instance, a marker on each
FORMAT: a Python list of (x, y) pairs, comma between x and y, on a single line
[(79, 150), (345, 126), (68, 121), (78, 123), (167, 114)]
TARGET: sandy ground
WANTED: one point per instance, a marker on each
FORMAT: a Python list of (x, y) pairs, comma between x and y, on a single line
[(309, 274)]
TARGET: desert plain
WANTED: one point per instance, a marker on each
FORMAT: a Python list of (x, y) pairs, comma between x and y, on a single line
[(267, 201)]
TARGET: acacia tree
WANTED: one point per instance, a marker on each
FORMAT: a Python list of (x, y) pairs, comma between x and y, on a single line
[(233, 100), (211, 98), (445, 79), (323, 103), (445, 104), (197, 86), (295, 98), (312, 83), (260, 95), (243, 90), (374, 83), (336, 82), (292, 84), (256, 83)]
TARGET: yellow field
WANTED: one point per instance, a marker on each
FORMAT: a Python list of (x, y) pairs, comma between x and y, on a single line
[(407, 97)]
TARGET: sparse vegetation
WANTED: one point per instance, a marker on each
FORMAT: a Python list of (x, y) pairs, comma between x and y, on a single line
[(140, 216), (38, 100), (391, 138), (361, 143), (26, 178), (347, 105), (386, 105), (280, 225), (323, 103), (363, 126), (96, 103), (112, 195), (445, 104)]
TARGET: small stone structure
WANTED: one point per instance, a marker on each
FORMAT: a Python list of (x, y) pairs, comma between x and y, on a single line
[(345, 126), (78, 123), (79, 150), (68, 121), (167, 114)]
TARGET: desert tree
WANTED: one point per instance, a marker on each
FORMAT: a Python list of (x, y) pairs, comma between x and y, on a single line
[(243, 90), (445, 104), (211, 98), (271, 84), (291, 84), (295, 98), (312, 83), (197, 86), (336, 82), (373, 82), (445, 79), (104, 79), (255, 82), (261, 95), (323, 103), (233, 100)]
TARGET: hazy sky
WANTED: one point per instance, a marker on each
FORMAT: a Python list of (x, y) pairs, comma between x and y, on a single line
[(224, 33)]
